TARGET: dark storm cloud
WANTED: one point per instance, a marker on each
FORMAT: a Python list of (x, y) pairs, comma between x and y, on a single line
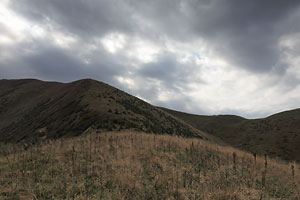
[(49, 62), (56, 64), (248, 31), (53, 63), (245, 34), (80, 17)]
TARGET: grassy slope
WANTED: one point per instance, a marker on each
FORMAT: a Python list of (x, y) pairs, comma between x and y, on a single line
[(128, 165), (277, 135), (35, 109)]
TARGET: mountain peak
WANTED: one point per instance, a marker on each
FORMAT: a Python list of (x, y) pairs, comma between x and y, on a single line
[(53, 110)]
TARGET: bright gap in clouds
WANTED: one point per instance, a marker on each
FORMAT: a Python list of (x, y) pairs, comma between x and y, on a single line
[(113, 42), (20, 29), (11, 21)]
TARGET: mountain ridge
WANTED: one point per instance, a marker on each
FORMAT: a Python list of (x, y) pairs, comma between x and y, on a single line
[(31, 108), (35, 109)]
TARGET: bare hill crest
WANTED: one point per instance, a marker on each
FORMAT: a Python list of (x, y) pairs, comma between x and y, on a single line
[(35, 109)]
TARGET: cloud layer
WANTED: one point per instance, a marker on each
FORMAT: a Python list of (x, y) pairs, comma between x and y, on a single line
[(200, 56)]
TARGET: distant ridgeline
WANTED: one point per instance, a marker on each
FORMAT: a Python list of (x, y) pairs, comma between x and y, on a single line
[(277, 135)]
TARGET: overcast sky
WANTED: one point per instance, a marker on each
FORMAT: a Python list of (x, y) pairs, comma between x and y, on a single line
[(200, 56)]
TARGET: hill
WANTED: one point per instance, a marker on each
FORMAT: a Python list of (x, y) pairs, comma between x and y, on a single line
[(31, 109), (277, 135), (130, 165)]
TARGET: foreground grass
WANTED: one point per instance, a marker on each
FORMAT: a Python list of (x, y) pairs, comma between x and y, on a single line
[(132, 165)]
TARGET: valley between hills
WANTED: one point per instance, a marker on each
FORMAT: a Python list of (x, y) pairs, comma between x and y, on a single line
[(89, 140)]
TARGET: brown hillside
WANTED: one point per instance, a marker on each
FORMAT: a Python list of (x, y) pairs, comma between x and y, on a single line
[(32, 109), (277, 135), (130, 165)]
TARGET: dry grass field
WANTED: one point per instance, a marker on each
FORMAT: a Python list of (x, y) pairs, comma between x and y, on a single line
[(131, 165)]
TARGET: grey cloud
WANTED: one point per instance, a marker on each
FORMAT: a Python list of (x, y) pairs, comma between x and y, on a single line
[(182, 104), (84, 18), (11, 64), (172, 74), (245, 33), (57, 65), (14, 69), (165, 68), (50, 62)]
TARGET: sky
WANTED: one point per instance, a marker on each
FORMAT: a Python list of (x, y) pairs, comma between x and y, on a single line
[(198, 56)]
